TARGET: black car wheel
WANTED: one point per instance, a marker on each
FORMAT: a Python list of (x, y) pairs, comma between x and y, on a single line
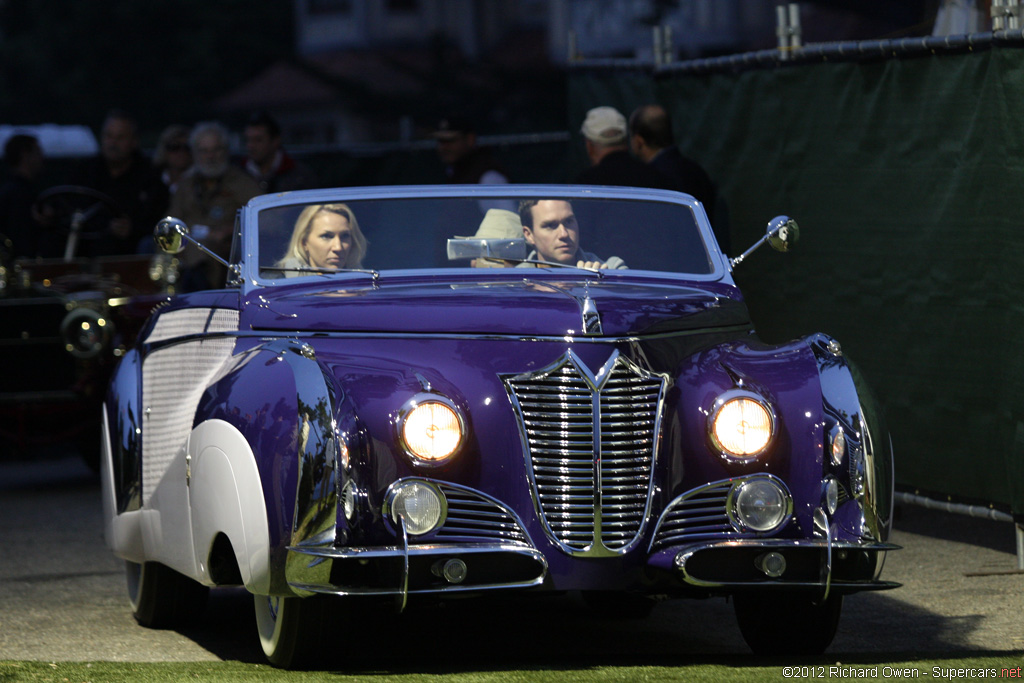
[(787, 623), (161, 597)]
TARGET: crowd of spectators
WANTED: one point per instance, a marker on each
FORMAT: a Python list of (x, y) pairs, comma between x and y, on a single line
[(192, 176)]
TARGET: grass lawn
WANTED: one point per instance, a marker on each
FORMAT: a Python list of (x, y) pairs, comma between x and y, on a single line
[(1000, 666)]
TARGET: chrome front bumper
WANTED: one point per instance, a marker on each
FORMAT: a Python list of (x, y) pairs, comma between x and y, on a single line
[(400, 571)]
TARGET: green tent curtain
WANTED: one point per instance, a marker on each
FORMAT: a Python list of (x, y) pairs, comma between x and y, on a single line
[(906, 177)]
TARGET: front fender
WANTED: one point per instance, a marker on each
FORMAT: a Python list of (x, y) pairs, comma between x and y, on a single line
[(278, 400), (867, 467), (226, 497)]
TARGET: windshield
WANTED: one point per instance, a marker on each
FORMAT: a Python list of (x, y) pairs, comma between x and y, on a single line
[(382, 234)]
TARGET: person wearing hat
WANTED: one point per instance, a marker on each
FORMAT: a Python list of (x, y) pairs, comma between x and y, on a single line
[(464, 162), (606, 136), (498, 224)]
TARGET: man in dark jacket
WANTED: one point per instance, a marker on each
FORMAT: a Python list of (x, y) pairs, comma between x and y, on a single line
[(652, 142), (126, 176), (605, 134), (268, 162), (23, 158), (464, 161)]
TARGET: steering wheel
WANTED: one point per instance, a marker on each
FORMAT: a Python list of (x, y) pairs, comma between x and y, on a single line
[(81, 213)]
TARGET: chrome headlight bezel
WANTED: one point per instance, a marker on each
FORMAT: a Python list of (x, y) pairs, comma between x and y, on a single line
[(725, 400), (410, 410), (745, 486)]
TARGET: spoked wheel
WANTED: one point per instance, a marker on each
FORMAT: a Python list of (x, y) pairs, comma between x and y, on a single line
[(294, 632), (787, 623), (161, 597)]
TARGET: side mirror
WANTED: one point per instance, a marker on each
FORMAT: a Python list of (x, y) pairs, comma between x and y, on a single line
[(170, 235), (782, 233)]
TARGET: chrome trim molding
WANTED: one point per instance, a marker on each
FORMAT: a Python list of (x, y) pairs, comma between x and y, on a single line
[(471, 517), (589, 442)]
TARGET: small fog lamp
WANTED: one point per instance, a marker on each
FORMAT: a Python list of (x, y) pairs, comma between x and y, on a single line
[(760, 505), (421, 506), (772, 564)]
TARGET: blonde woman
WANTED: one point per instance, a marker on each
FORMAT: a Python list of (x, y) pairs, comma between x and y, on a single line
[(326, 237)]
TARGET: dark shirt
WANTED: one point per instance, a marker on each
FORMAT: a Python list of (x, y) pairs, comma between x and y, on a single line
[(16, 223), (288, 175), (470, 169), (620, 168), (139, 191), (688, 176)]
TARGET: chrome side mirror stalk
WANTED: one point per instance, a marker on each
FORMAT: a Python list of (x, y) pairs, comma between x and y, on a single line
[(782, 233), (171, 234)]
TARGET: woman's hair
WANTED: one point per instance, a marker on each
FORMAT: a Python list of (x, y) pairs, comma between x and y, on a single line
[(304, 226)]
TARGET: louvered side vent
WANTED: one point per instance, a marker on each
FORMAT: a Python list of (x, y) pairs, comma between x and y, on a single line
[(474, 517), (696, 515), (591, 452)]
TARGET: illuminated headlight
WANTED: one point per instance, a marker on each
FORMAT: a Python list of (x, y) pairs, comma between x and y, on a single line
[(85, 332), (838, 445), (760, 504), (431, 430), (419, 504), (741, 426)]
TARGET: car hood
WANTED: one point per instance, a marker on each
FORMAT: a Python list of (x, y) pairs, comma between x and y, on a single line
[(519, 307)]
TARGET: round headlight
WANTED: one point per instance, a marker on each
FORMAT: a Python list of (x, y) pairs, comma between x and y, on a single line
[(432, 431), (760, 505), (85, 332), (420, 505), (742, 427)]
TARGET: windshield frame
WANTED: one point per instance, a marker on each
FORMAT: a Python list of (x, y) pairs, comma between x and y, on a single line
[(250, 216)]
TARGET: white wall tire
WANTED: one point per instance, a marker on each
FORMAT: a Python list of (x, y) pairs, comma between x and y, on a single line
[(161, 597), (293, 631)]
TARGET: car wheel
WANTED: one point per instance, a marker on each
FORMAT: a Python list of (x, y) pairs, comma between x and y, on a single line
[(618, 604), (293, 631), (161, 597), (787, 623)]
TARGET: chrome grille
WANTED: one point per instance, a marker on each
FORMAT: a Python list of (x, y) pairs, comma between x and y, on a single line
[(591, 449), (475, 517), (695, 515)]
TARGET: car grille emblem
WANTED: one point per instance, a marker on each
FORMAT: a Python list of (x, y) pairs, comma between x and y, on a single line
[(590, 441)]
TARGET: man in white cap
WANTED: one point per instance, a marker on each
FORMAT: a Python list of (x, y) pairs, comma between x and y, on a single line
[(606, 134)]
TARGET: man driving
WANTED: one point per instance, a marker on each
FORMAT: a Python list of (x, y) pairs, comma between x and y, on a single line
[(550, 227)]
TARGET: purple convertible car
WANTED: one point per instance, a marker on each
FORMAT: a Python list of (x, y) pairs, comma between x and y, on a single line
[(403, 394)]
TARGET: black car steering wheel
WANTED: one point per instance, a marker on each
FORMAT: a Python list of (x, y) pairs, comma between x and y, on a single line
[(81, 213)]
